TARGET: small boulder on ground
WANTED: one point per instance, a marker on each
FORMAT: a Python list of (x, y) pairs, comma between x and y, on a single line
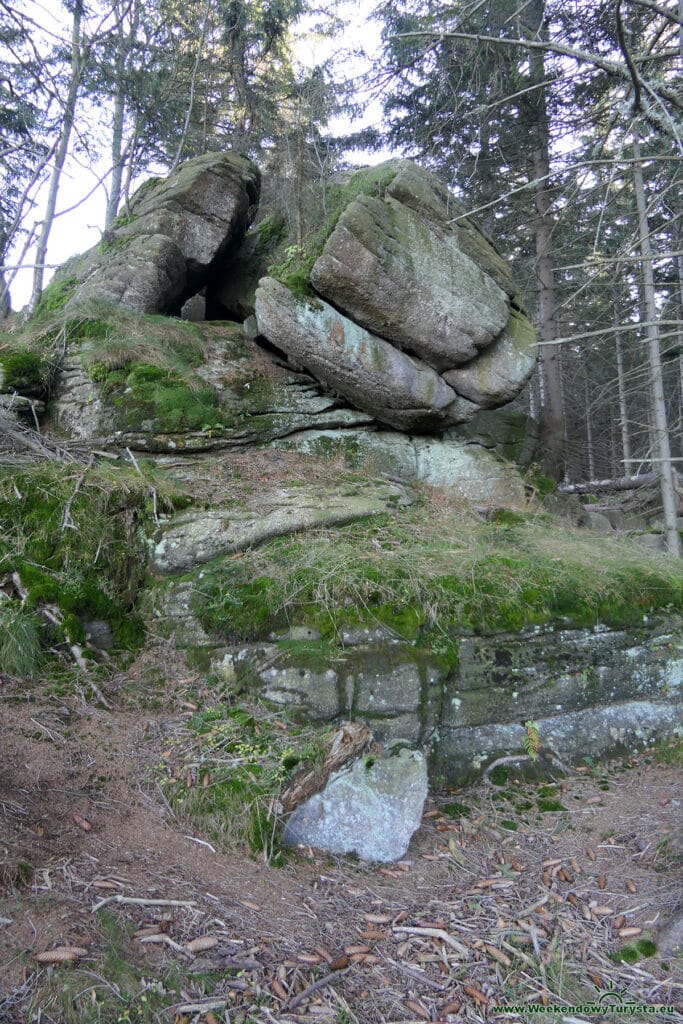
[(371, 808)]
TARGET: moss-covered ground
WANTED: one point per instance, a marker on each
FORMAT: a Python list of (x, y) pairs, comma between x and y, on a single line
[(435, 570), (71, 544)]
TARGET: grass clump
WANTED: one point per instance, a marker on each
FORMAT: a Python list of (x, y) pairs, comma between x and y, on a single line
[(431, 572), (227, 770), (21, 634)]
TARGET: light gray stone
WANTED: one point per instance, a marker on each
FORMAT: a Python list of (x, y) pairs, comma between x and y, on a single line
[(314, 693), (670, 938), (372, 374), (198, 535), (371, 808), (595, 521), (464, 469)]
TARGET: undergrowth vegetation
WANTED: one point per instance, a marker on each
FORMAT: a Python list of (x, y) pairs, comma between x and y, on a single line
[(434, 570), (70, 543), (224, 771)]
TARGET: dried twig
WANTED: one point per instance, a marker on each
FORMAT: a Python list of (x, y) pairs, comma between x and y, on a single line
[(329, 979), (67, 521), (435, 933), (141, 902)]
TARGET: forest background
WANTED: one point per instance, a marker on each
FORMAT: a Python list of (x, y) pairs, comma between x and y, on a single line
[(557, 123)]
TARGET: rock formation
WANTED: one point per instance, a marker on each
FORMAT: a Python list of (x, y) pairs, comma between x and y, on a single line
[(412, 314), (161, 251)]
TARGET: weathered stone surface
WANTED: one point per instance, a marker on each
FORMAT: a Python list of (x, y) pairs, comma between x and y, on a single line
[(146, 273), (391, 272), (77, 408), (595, 521), (314, 693), (593, 732), (670, 937), (161, 252), (466, 470), (628, 681), (393, 387), (405, 264), (509, 433), (370, 809), (517, 678), (495, 376), (199, 535)]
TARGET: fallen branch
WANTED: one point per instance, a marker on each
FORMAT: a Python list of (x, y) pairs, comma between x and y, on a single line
[(623, 483), (435, 933), (141, 902), (205, 1006), (329, 979)]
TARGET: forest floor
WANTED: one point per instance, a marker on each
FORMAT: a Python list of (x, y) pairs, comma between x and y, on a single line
[(155, 922)]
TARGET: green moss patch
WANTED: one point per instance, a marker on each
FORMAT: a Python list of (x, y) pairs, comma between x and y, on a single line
[(23, 371), (70, 533), (55, 296)]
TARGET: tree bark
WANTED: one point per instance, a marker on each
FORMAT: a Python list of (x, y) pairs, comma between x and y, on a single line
[(60, 154), (552, 440), (656, 382), (623, 407)]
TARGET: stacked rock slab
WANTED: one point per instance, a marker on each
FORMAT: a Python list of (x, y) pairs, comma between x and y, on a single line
[(175, 229), (413, 315)]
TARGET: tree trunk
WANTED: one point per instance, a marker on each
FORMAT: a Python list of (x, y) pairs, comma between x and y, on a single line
[(552, 439), (60, 154), (623, 408), (656, 381), (623, 483), (589, 428), (114, 199)]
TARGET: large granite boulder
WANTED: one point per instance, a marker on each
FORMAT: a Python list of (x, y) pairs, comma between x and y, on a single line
[(175, 229), (412, 313), (370, 372)]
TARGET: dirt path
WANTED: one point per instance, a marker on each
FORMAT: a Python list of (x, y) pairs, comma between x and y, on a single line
[(504, 903)]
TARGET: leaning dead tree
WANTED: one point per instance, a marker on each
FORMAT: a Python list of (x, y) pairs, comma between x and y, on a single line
[(623, 483)]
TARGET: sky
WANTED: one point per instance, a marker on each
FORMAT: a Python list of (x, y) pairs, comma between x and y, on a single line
[(80, 220)]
